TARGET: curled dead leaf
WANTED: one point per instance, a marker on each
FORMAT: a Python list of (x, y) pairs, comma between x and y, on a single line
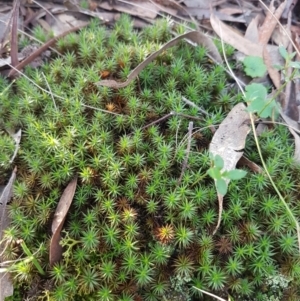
[(195, 36)]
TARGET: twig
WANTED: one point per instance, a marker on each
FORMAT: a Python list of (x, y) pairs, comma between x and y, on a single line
[(210, 294), (14, 34), (158, 120), (177, 130), (49, 90), (102, 110), (23, 74), (188, 148), (194, 105), (40, 50), (172, 113), (288, 86)]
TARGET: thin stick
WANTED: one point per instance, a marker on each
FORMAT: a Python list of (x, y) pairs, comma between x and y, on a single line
[(187, 101), (210, 294), (42, 89), (188, 116), (49, 90), (188, 148), (102, 110), (159, 120), (288, 87), (176, 135)]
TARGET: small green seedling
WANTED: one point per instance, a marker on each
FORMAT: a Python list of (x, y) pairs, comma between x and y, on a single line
[(222, 178), (289, 63), (256, 94), (18, 267)]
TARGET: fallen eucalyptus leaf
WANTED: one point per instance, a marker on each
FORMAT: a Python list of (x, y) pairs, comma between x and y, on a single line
[(234, 39), (293, 125), (273, 72), (229, 142), (270, 22), (6, 286), (58, 221)]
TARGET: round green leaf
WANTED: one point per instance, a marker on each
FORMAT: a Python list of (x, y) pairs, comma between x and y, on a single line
[(254, 66), (214, 173), (221, 186), (235, 174), (219, 162), (255, 92), (283, 52)]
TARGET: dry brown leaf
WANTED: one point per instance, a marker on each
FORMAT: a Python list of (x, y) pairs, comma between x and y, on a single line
[(295, 29), (289, 103), (194, 36), (45, 25), (202, 10), (69, 4), (270, 22), (58, 220), (5, 20), (67, 20), (297, 44), (297, 92), (6, 286), (198, 4), (199, 13), (229, 142), (7, 193), (204, 13), (293, 126), (282, 37), (92, 5), (232, 38), (141, 10), (7, 61), (297, 146), (289, 6), (274, 73), (231, 10), (251, 33), (5, 8)]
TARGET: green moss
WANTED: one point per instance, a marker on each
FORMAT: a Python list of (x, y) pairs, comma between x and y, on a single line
[(133, 230)]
